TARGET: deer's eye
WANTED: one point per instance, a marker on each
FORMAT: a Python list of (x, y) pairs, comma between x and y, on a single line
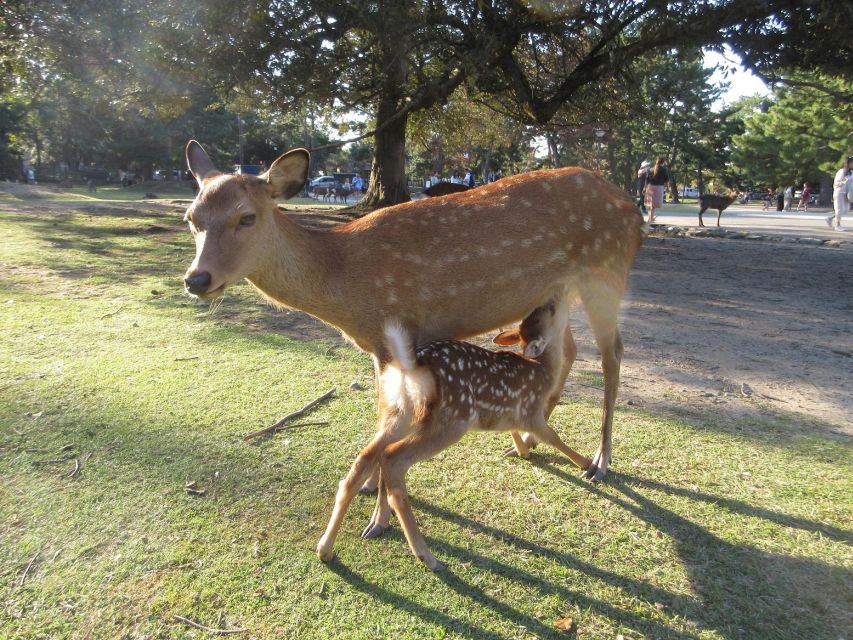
[(247, 221)]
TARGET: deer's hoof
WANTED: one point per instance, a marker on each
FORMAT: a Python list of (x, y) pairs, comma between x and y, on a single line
[(373, 530)]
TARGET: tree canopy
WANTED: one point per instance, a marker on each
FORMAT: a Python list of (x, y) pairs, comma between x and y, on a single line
[(155, 72)]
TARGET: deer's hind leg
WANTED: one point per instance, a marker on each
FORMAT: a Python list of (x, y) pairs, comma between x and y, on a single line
[(601, 301)]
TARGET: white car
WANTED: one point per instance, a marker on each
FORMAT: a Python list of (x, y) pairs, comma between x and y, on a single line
[(323, 181)]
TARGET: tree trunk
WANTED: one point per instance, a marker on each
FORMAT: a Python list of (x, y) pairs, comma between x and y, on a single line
[(388, 174), (825, 198), (553, 151)]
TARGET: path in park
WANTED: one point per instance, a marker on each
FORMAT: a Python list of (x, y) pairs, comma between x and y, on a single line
[(740, 326), (752, 218)]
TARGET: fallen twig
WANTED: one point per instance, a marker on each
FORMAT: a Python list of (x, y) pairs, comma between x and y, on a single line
[(76, 468), (190, 487), (27, 570), (220, 632), (278, 425), (66, 448), (57, 461), (111, 313), (187, 358)]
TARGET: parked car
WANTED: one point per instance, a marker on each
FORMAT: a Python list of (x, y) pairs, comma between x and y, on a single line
[(323, 181), (689, 192)]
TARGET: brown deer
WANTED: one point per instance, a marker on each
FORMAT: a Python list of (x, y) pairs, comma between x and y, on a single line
[(713, 201), (434, 395), (448, 267)]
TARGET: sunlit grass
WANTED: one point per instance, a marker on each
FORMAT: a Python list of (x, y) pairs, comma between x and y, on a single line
[(704, 529)]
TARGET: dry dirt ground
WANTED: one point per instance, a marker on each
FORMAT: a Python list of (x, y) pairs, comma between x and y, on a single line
[(743, 328)]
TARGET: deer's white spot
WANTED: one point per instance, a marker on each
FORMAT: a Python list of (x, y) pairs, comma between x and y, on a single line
[(587, 223), (546, 186)]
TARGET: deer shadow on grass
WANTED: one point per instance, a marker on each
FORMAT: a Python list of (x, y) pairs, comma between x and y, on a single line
[(739, 591)]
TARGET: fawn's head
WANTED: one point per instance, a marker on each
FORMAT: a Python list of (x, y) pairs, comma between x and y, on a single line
[(544, 327), (233, 218)]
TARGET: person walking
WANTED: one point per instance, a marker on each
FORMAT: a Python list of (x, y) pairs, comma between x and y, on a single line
[(840, 189), (656, 186), (642, 179), (768, 198), (805, 197)]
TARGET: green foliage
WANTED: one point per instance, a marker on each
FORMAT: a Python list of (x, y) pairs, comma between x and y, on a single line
[(801, 134)]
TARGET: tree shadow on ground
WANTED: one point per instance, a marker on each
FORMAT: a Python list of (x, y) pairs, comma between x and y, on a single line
[(740, 591)]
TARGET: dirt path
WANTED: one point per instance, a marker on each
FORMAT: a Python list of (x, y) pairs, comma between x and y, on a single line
[(745, 327)]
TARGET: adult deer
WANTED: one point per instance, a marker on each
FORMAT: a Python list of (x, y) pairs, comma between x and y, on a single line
[(448, 267), (714, 201)]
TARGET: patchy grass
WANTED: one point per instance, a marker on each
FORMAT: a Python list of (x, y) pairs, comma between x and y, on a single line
[(704, 529)]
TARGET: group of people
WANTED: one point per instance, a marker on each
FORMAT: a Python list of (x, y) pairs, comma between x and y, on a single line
[(651, 186), (456, 178), (785, 198), (652, 182)]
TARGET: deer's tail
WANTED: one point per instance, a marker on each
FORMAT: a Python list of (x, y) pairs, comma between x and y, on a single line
[(408, 386)]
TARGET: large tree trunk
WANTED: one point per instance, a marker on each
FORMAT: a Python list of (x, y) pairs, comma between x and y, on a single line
[(388, 174)]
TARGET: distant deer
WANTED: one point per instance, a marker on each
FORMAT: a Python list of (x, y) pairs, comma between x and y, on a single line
[(713, 201), (447, 267), (445, 188), (341, 193), (434, 395)]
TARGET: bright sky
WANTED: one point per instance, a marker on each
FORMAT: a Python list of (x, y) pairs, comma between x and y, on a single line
[(741, 82)]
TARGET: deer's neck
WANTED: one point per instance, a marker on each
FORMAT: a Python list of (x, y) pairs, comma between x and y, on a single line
[(299, 270)]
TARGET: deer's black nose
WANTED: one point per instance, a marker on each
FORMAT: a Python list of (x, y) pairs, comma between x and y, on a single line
[(198, 282)]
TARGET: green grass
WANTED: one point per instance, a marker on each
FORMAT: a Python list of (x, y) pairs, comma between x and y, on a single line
[(708, 527)]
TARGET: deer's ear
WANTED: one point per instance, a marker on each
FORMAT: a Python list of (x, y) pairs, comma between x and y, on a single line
[(199, 163), (535, 347), (507, 338), (287, 175)]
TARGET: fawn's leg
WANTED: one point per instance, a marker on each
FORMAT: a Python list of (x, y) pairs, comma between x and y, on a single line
[(397, 459), (546, 434), (364, 465), (528, 440)]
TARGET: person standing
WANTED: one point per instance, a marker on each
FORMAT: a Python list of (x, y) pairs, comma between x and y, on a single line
[(805, 197), (789, 197), (840, 186), (656, 186), (642, 179)]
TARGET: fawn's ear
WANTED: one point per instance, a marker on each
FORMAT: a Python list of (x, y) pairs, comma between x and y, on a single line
[(287, 175), (535, 347), (199, 163), (507, 338)]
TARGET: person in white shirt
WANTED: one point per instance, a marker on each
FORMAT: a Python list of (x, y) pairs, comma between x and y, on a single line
[(840, 188)]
